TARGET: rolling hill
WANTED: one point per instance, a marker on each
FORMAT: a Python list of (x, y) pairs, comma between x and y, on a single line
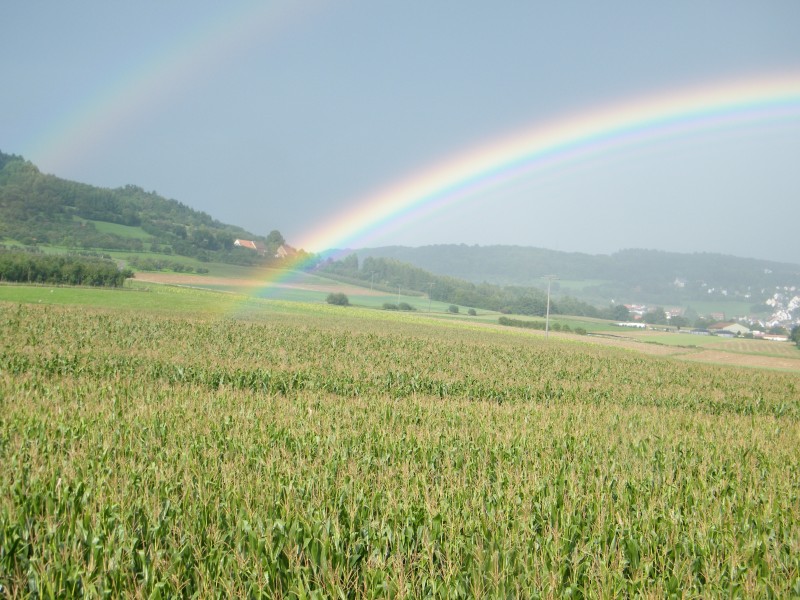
[(647, 276), (36, 208)]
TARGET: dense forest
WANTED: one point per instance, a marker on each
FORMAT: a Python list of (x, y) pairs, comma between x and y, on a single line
[(393, 274), (61, 269), (629, 275), (36, 208)]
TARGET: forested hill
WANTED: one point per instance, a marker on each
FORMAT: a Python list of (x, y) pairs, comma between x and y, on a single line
[(646, 275), (36, 208)]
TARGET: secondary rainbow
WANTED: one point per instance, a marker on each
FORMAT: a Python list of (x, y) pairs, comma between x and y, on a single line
[(123, 98), (676, 113)]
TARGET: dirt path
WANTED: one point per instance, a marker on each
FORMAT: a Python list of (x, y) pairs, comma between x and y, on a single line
[(245, 285)]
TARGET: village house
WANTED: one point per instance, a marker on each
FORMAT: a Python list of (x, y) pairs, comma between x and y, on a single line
[(775, 337), (251, 245), (285, 251)]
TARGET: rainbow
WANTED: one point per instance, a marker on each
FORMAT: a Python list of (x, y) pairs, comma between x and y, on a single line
[(121, 100), (677, 113)]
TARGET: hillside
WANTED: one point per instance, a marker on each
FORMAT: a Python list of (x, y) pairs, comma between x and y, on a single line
[(36, 208), (648, 276)]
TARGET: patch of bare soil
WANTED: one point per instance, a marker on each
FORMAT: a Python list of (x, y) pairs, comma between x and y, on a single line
[(248, 284), (743, 360), (630, 344)]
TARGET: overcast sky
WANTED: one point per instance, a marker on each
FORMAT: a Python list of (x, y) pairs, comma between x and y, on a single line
[(288, 115)]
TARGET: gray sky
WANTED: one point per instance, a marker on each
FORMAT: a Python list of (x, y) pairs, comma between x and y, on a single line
[(290, 116)]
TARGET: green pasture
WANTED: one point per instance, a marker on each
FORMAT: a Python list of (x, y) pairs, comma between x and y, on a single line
[(670, 339), (138, 296), (125, 231), (731, 308), (133, 297)]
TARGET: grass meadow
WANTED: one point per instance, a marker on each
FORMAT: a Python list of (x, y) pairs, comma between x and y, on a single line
[(164, 442), (125, 231)]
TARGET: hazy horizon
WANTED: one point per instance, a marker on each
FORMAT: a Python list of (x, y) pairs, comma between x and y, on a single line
[(292, 116)]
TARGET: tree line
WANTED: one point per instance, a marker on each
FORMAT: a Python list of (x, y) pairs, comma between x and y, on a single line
[(540, 325), (61, 269), (651, 276), (394, 274)]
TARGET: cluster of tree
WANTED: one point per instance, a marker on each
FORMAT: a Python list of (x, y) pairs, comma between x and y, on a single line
[(36, 208), (405, 306), (393, 274), (338, 299), (647, 275), (148, 263), (795, 335), (60, 269)]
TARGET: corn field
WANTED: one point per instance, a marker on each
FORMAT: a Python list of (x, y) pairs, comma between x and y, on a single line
[(152, 456)]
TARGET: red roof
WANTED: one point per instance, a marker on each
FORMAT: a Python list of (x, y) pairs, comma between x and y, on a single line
[(246, 244)]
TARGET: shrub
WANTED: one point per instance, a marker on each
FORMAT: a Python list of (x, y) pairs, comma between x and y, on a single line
[(521, 323), (390, 306), (580, 331), (453, 309), (338, 298), (405, 306), (471, 312)]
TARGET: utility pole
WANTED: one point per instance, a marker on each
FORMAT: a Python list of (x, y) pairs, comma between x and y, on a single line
[(398, 295), (550, 279)]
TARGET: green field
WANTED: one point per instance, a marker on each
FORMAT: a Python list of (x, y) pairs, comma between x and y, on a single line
[(731, 308), (161, 441), (117, 229)]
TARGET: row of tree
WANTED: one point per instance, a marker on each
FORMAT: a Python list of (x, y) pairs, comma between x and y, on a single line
[(540, 325), (26, 267), (148, 263)]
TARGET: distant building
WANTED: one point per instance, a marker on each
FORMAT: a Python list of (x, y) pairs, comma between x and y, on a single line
[(285, 251), (636, 309), (775, 337), (251, 245), (732, 328), (245, 244)]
